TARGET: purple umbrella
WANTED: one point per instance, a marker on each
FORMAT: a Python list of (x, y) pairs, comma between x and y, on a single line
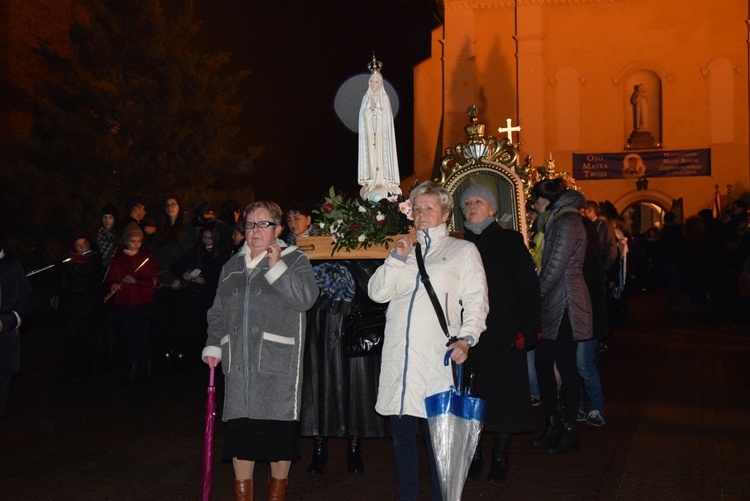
[(208, 440)]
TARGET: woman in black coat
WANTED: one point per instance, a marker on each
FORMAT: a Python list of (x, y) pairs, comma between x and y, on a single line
[(513, 324)]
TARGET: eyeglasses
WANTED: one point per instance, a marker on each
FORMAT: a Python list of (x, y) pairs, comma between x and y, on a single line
[(249, 225)]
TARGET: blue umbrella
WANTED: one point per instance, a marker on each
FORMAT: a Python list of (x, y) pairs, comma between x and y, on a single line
[(455, 419)]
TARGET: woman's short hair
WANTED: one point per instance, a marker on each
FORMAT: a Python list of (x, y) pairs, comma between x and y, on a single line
[(549, 189), (271, 207), (302, 209), (431, 188)]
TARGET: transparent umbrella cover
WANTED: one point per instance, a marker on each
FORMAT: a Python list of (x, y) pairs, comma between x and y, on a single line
[(455, 419)]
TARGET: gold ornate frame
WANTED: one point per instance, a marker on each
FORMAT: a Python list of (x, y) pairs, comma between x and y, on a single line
[(491, 162)]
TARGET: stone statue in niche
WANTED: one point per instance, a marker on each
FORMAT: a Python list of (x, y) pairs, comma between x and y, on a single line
[(639, 100), (640, 137), (378, 162)]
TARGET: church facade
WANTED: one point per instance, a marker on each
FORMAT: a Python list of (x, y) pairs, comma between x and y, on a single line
[(644, 102)]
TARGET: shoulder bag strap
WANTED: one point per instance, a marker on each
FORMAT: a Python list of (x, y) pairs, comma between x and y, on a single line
[(431, 292)]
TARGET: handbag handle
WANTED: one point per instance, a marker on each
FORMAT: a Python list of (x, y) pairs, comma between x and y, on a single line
[(425, 279)]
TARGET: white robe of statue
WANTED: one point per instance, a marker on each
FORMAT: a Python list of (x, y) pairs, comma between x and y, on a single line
[(378, 163)]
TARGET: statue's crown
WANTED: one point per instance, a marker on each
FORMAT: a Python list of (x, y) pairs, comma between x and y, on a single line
[(475, 130), (374, 66)]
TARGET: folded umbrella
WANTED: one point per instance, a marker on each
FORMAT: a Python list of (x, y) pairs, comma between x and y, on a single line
[(208, 439), (455, 420)]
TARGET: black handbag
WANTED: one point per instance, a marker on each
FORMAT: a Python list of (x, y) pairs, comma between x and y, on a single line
[(364, 332)]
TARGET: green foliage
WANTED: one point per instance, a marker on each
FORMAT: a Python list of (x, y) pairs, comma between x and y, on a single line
[(134, 110), (358, 223)]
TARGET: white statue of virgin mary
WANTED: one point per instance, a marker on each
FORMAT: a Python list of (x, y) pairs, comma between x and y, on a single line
[(378, 162)]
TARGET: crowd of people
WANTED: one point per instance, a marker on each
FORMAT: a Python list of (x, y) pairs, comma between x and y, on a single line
[(705, 260), (236, 291)]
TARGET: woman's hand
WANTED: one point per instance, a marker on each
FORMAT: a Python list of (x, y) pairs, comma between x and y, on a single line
[(129, 279), (460, 351), (274, 254), (404, 246)]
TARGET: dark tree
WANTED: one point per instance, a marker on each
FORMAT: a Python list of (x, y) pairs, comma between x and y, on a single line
[(135, 109)]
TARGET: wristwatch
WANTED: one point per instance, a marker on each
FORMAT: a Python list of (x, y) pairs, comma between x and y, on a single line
[(470, 340)]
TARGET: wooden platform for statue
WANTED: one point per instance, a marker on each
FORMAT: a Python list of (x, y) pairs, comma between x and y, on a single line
[(319, 248)]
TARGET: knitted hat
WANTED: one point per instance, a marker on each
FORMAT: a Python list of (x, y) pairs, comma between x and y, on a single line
[(480, 191), (130, 231), (109, 209)]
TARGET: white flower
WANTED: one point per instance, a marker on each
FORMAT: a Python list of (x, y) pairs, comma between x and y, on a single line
[(380, 216), (362, 209), (362, 238)]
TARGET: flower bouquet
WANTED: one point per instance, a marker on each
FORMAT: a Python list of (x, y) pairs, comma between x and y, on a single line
[(356, 223)]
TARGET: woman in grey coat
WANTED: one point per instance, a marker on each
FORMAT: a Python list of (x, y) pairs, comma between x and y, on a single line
[(566, 308), (256, 328)]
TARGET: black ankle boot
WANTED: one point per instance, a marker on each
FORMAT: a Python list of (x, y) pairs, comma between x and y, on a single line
[(477, 463), (354, 456), (320, 456), (566, 441), (550, 433), (498, 468)]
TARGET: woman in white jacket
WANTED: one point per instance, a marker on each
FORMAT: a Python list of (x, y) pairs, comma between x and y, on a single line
[(412, 362)]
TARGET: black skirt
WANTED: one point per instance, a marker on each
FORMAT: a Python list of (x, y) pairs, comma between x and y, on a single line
[(261, 440)]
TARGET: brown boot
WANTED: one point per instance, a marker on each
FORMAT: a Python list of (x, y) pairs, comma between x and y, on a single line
[(243, 490), (277, 489)]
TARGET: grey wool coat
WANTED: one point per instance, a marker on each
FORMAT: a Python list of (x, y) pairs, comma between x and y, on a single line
[(256, 327), (561, 280)]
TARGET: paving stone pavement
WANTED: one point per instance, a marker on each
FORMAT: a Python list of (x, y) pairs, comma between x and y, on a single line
[(677, 408)]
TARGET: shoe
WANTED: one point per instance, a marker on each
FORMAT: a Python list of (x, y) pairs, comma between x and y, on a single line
[(277, 488), (354, 456), (320, 456), (477, 463), (595, 418), (582, 416), (550, 433), (243, 490), (498, 468), (535, 402), (567, 440)]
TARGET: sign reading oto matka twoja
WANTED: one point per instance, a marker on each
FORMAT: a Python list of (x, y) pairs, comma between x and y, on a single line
[(676, 163)]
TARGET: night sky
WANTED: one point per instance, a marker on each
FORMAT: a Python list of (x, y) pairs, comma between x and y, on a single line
[(299, 53)]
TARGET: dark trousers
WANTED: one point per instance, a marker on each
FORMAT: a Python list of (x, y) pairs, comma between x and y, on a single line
[(404, 432), (136, 325), (562, 352)]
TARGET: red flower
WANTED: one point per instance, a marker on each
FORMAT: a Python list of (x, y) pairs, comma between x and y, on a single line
[(382, 223), (328, 207), (355, 226)]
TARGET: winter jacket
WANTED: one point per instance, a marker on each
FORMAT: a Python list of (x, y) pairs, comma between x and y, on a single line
[(498, 363), (147, 277), (16, 306), (415, 345), (256, 328), (561, 280)]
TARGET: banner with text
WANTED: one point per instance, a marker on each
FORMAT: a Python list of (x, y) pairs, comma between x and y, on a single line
[(676, 163)]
